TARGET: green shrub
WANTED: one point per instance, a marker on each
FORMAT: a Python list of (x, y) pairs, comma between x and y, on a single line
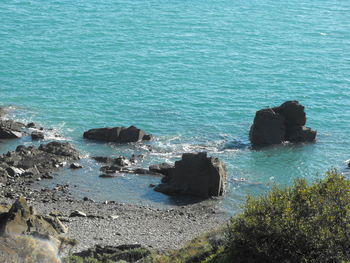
[(302, 223)]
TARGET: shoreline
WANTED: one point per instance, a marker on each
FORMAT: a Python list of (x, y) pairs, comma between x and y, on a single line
[(118, 224)]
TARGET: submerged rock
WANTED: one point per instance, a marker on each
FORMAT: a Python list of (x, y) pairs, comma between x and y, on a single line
[(117, 134), (284, 123), (195, 174)]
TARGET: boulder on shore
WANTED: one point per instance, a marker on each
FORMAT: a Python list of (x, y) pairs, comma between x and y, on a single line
[(117, 134), (195, 174), (284, 123)]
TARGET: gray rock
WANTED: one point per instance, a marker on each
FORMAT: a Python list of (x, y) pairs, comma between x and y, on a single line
[(77, 213), (116, 134), (122, 161), (197, 175), (61, 149), (10, 129), (36, 135), (75, 166), (56, 224), (31, 162), (13, 171), (31, 125)]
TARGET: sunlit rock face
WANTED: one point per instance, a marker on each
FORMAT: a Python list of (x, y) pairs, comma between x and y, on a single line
[(26, 237), (27, 249)]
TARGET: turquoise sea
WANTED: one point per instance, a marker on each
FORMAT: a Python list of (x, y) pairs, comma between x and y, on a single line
[(192, 73)]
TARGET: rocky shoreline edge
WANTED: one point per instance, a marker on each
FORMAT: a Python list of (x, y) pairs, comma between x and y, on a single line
[(88, 222)]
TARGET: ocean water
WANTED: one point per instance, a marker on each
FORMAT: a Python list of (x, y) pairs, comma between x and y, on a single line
[(192, 73)]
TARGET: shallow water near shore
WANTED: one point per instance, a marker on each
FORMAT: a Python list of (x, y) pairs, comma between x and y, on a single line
[(191, 73)]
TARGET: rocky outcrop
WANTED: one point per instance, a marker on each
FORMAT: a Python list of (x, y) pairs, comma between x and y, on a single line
[(22, 220), (284, 123), (117, 134), (121, 165), (10, 129), (195, 174), (20, 231), (31, 162)]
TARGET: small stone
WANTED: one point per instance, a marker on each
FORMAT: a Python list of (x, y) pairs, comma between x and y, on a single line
[(75, 166), (88, 199), (108, 175), (31, 125), (77, 213), (113, 217), (47, 176)]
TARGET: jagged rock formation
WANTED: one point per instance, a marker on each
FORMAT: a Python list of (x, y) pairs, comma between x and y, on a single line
[(195, 174), (31, 162), (284, 123)]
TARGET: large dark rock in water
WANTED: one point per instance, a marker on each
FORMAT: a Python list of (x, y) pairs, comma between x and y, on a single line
[(10, 129), (284, 123), (293, 112), (195, 174), (268, 128), (117, 134)]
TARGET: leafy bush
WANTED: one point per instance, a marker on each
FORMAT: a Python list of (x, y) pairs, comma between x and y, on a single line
[(302, 223)]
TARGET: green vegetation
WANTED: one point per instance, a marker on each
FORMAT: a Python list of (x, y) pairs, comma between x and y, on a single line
[(110, 256), (205, 248), (302, 223)]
